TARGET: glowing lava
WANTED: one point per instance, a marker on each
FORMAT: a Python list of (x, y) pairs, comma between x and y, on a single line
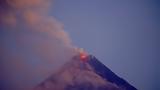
[(83, 55)]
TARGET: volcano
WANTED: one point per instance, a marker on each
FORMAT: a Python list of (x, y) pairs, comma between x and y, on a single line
[(89, 74)]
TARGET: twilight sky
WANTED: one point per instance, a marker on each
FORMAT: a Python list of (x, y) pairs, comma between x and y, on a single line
[(123, 34)]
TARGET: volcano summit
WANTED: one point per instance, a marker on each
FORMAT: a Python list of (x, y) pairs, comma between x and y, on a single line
[(88, 74)]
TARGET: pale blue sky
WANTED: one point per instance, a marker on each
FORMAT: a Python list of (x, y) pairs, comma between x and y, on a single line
[(122, 34)]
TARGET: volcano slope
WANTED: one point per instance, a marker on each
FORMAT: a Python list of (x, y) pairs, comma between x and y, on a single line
[(78, 74)]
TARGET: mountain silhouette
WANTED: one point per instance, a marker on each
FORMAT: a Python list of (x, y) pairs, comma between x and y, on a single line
[(89, 74)]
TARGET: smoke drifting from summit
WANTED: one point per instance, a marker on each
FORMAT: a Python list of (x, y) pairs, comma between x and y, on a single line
[(33, 14), (33, 43)]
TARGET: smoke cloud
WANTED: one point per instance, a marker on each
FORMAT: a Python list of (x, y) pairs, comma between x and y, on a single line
[(33, 44)]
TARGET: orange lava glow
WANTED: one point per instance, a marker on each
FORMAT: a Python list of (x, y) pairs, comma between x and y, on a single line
[(83, 56)]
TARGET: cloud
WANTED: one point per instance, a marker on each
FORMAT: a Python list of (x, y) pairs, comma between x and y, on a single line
[(34, 43)]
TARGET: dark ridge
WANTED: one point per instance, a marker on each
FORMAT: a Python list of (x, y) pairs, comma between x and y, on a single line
[(107, 74)]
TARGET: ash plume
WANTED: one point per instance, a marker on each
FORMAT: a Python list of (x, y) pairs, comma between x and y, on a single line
[(33, 43)]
